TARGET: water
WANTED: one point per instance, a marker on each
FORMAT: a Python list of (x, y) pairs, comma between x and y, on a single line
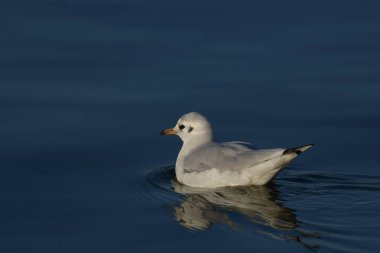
[(86, 86)]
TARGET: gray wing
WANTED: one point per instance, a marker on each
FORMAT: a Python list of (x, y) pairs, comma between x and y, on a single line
[(233, 156)]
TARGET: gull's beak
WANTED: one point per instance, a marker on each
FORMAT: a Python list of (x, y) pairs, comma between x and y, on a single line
[(168, 131)]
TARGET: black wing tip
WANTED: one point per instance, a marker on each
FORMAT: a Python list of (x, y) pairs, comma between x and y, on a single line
[(298, 150)]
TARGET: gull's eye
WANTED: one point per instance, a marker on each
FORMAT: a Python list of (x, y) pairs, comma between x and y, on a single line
[(181, 127)]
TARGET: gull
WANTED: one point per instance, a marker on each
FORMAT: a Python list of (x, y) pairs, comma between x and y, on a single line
[(205, 163)]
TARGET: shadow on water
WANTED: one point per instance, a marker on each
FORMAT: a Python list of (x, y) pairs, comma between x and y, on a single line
[(199, 209)]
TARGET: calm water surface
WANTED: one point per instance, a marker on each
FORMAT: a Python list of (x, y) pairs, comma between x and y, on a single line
[(86, 86)]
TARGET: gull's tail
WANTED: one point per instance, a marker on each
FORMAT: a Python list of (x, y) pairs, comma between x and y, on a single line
[(298, 150)]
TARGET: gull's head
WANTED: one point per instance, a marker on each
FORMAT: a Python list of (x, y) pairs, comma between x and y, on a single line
[(191, 126)]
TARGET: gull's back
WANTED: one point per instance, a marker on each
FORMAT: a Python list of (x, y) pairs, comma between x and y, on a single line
[(227, 156)]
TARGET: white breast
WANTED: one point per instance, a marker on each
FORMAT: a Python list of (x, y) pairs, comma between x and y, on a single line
[(259, 174)]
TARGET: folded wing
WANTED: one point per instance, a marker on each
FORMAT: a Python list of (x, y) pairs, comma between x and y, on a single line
[(232, 156)]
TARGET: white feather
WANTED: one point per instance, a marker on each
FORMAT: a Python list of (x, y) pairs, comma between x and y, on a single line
[(203, 162)]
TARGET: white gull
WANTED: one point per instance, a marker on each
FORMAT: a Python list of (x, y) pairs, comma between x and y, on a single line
[(203, 162)]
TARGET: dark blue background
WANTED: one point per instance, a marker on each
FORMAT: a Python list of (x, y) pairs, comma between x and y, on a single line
[(86, 86)]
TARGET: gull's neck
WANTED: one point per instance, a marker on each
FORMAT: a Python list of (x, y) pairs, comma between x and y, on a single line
[(188, 146), (193, 143)]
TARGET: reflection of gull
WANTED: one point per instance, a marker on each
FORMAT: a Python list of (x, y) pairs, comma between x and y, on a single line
[(202, 208), (256, 202), (203, 162), (196, 213)]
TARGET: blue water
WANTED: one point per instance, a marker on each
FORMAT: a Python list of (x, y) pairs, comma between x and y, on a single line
[(86, 86)]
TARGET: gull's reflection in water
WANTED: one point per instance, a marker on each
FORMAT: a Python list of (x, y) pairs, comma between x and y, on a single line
[(202, 208)]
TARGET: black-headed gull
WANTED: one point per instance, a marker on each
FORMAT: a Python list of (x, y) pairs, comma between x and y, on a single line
[(203, 162)]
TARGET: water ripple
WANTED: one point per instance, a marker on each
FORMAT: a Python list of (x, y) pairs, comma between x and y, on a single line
[(283, 210)]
